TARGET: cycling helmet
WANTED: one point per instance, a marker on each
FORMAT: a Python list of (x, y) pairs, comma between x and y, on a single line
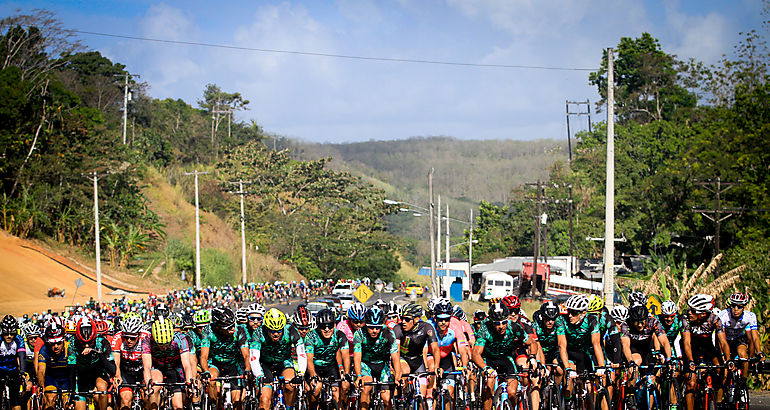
[(325, 317), (381, 304), (498, 312), (512, 302), (494, 300), (30, 329), (432, 302), (54, 333), (162, 331), (161, 311), (251, 309), (241, 315), (668, 308), (357, 312), (701, 303), (70, 326), (459, 313), (101, 326), (374, 317), (411, 309), (638, 313), (202, 317), (637, 298), (549, 311), (337, 314), (392, 308), (259, 309), (595, 304), (739, 299), (479, 315), (274, 320), (9, 325), (443, 310), (85, 331), (619, 313), (132, 326), (577, 302), (222, 318), (301, 318), (187, 321), (176, 319), (312, 322)]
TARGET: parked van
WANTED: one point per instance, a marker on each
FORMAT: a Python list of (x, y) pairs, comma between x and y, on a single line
[(496, 284), (343, 289)]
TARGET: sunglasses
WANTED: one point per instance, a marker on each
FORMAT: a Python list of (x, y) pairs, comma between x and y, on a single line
[(326, 326), (406, 318), (275, 331), (574, 312), (442, 319), (357, 322), (130, 338), (374, 327), (500, 322), (255, 318)]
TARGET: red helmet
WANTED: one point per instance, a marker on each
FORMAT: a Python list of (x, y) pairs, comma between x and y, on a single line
[(512, 302), (54, 333), (739, 299), (101, 327), (85, 331)]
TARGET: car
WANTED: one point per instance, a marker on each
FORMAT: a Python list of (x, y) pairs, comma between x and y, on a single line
[(315, 307), (343, 289), (332, 301), (347, 301), (414, 286)]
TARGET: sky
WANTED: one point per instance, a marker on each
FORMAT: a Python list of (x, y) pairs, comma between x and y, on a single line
[(329, 99)]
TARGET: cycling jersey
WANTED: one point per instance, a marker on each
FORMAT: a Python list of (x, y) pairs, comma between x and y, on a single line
[(411, 343), (579, 335), (375, 350), (735, 328), (130, 358), (701, 345), (547, 337), (347, 329), (86, 364), (498, 346), (55, 366), (468, 332), (607, 325), (171, 357), (195, 339), (226, 348), (11, 354), (674, 329), (457, 326), (324, 351), (446, 342), (280, 351), (642, 337)]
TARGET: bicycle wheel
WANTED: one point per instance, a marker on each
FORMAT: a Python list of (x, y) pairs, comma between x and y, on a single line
[(250, 403), (418, 403), (711, 402), (445, 401), (523, 401), (498, 403)]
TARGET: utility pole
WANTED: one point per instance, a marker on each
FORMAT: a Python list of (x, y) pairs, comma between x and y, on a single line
[(95, 178), (432, 238), (716, 215), (470, 245), (609, 206), (242, 193), (125, 101), (438, 232), (578, 113), (197, 231)]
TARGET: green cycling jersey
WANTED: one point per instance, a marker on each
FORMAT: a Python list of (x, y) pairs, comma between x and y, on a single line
[(375, 350), (674, 329), (91, 361), (225, 348), (579, 335), (276, 352), (498, 346), (324, 351), (547, 337)]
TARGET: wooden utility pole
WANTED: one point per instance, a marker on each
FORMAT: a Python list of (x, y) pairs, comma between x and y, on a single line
[(609, 205), (242, 193), (95, 177), (578, 113), (432, 238), (718, 213)]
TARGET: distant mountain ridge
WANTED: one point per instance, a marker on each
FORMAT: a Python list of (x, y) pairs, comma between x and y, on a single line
[(465, 171)]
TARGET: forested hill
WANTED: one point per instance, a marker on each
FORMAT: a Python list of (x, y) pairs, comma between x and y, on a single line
[(467, 171)]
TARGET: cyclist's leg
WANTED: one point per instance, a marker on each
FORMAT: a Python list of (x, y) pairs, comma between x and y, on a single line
[(366, 377), (215, 388), (385, 392), (102, 399), (266, 392), (289, 390)]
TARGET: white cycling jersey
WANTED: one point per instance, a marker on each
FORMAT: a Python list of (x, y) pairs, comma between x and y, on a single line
[(736, 328)]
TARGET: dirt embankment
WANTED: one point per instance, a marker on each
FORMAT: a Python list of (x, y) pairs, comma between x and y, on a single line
[(28, 270)]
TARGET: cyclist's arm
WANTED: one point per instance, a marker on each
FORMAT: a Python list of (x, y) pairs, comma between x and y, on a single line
[(310, 365), (246, 356), (562, 341), (625, 344), (754, 344), (256, 366), (357, 363), (146, 367), (434, 350), (724, 347), (116, 359), (41, 374), (188, 373), (596, 340), (204, 363), (663, 339), (345, 353), (477, 356), (395, 360), (687, 345), (301, 356)]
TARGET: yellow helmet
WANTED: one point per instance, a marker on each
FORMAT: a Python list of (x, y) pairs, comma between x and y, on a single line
[(274, 320), (595, 304), (162, 331)]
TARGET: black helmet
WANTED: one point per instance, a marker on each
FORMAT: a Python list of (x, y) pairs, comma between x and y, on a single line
[(374, 317), (443, 309), (411, 309), (222, 318), (549, 311), (498, 312), (161, 310), (187, 321), (9, 325), (325, 317), (479, 315), (638, 313)]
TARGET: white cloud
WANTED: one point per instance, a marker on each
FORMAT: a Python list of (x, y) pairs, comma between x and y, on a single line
[(704, 37)]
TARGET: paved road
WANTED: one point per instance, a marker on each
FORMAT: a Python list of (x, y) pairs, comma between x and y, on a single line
[(291, 307)]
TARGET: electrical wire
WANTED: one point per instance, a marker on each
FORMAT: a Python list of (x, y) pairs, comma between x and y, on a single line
[(317, 54)]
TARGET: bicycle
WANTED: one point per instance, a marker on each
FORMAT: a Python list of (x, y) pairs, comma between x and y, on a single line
[(326, 400), (375, 400), (669, 385), (551, 391), (165, 399), (706, 396), (412, 392), (227, 387), (136, 400), (584, 387), (736, 392), (442, 396)]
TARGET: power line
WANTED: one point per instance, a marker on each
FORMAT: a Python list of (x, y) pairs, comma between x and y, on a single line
[(317, 54)]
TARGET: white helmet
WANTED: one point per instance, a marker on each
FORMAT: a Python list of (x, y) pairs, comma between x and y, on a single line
[(577, 302), (619, 313), (669, 308), (701, 302)]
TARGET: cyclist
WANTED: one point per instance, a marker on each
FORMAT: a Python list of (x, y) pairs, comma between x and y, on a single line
[(741, 330), (12, 359), (202, 320), (545, 322), (225, 352), (90, 362), (170, 358), (255, 313), (672, 323), (328, 356), (354, 321), (478, 317), (375, 349), (609, 332), (579, 340), (271, 357), (497, 341), (391, 315), (131, 367), (52, 370), (412, 337), (641, 335), (450, 347), (697, 345), (534, 351)]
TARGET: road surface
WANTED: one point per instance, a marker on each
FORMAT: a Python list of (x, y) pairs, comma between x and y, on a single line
[(291, 307)]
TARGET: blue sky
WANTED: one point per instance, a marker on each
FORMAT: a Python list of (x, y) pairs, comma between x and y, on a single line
[(339, 100)]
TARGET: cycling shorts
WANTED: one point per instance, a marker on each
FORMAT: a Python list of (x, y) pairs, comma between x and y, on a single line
[(328, 372), (743, 340), (416, 364), (130, 378), (704, 352), (86, 382), (172, 375), (54, 384), (378, 371), (582, 360), (503, 365), (228, 369), (273, 370), (448, 365)]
